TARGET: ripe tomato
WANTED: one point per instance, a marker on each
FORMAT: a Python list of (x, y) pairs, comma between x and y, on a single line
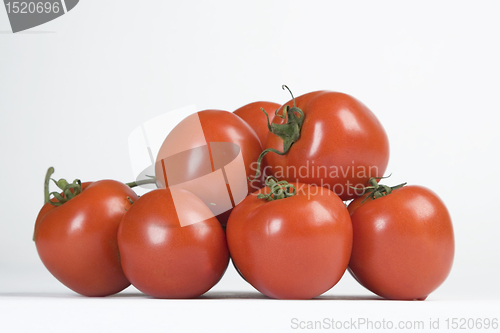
[(77, 242), (253, 115), (171, 245), (210, 154), (338, 143), (403, 243), (292, 248)]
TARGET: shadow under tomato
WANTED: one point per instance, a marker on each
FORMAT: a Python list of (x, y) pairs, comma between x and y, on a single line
[(207, 296), (350, 298)]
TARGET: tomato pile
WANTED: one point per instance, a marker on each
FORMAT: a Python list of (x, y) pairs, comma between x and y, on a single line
[(289, 193)]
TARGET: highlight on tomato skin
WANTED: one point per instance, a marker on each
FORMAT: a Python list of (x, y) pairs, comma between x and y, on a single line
[(77, 240), (171, 245), (403, 243), (296, 247)]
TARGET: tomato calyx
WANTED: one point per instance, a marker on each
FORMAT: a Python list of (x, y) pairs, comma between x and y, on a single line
[(279, 190), (288, 132), (69, 190), (376, 190)]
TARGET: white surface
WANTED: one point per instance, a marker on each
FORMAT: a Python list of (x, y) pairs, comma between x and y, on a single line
[(72, 90), (35, 301), (55, 313), (44, 305)]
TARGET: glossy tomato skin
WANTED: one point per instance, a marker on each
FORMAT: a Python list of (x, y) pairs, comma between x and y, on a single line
[(77, 241), (292, 248), (203, 129), (224, 126), (252, 114), (341, 144), (403, 243), (164, 259)]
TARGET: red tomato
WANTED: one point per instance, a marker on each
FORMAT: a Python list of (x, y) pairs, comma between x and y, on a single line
[(77, 241), (341, 144), (292, 248), (171, 245), (403, 244), (253, 115), (211, 154)]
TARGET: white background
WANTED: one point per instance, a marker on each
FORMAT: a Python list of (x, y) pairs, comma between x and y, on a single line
[(73, 89)]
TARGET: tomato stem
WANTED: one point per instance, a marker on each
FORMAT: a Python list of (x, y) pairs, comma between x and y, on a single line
[(376, 190), (69, 190), (279, 190), (288, 132), (49, 173), (151, 180)]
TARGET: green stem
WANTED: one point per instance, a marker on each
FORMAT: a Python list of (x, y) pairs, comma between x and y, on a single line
[(261, 156), (376, 190), (151, 180), (288, 132), (69, 190), (279, 190), (49, 173)]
